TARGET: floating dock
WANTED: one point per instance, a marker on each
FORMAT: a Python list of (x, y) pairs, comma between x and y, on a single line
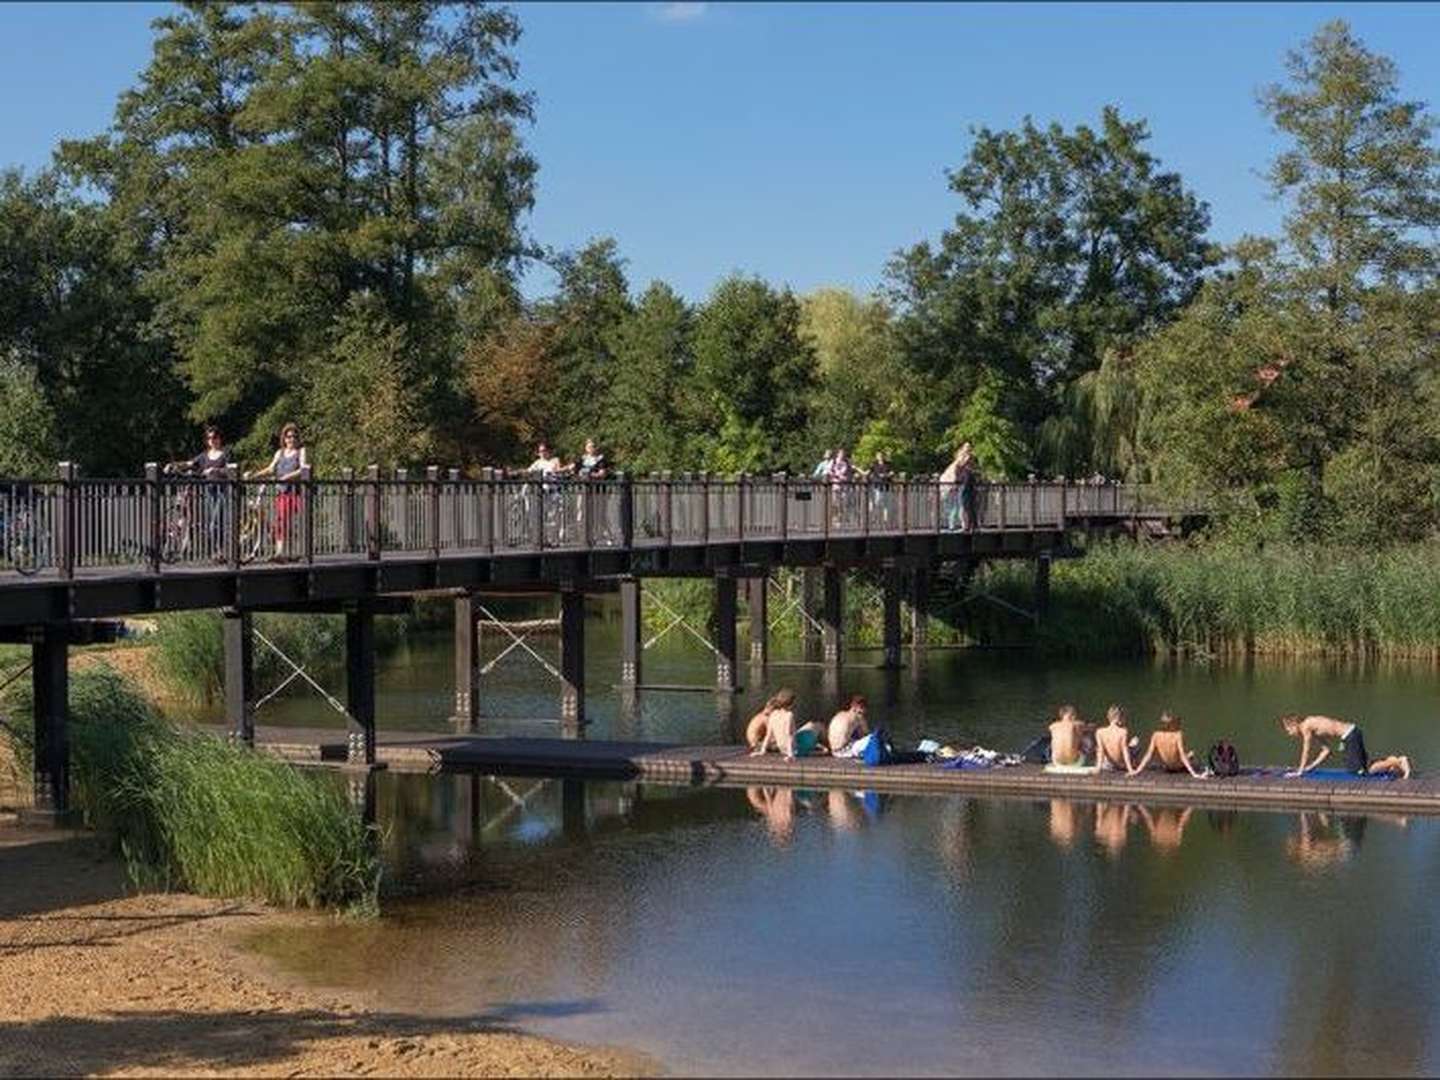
[(734, 766)]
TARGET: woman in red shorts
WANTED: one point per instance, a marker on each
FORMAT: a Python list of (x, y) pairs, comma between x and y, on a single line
[(285, 466)]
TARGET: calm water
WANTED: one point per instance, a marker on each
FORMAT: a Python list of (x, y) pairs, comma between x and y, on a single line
[(727, 931), (775, 932)]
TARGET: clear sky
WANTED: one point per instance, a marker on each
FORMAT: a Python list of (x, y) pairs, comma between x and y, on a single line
[(804, 143)]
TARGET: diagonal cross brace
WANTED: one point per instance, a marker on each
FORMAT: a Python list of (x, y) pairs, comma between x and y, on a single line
[(298, 672), (679, 620), (517, 641), (791, 602)]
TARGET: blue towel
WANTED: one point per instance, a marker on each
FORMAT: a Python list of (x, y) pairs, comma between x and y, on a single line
[(1346, 774)]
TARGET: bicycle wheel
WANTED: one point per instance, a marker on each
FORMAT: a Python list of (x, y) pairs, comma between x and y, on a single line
[(251, 533), (175, 544), (26, 544)]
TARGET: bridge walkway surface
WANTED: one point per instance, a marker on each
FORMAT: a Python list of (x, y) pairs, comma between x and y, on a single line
[(693, 765)]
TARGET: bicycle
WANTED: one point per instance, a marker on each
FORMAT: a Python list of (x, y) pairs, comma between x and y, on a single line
[(24, 539), (252, 525)]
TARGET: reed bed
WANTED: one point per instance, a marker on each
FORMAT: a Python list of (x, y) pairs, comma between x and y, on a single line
[(1222, 600), (190, 811)]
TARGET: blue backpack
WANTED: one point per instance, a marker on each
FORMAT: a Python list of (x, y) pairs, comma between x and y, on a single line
[(878, 750)]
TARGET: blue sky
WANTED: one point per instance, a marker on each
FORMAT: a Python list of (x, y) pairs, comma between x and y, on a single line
[(804, 143)]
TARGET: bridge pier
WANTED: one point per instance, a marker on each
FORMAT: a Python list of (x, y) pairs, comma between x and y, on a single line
[(757, 601), (726, 649), (632, 630), (832, 618), (810, 607), (919, 611), (50, 681), (1042, 587), (890, 632), (360, 681), (467, 671), (572, 661), (239, 641)]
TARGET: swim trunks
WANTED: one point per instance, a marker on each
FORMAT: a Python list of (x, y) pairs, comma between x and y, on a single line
[(1352, 747)]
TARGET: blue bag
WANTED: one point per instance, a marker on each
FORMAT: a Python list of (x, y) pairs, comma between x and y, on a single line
[(878, 750)]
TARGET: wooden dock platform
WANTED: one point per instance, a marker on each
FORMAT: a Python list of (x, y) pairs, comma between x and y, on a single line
[(733, 766)]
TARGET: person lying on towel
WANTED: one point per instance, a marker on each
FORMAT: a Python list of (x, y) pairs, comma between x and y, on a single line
[(1168, 744), (1350, 742)]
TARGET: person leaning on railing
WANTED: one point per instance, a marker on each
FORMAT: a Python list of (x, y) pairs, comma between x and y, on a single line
[(209, 464), (286, 467)]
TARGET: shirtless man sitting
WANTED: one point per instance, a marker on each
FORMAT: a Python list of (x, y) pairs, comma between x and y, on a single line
[(1351, 742), (759, 726), (780, 725), (1112, 742), (1067, 737), (847, 725), (1168, 744)]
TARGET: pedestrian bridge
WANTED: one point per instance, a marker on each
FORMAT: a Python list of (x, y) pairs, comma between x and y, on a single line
[(77, 551)]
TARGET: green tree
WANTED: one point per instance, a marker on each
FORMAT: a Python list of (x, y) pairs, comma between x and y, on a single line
[(861, 381), (1070, 244), (755, 376), (28, 440), (646, 425)]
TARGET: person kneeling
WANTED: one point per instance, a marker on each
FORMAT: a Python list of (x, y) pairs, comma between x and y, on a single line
[(1351, 743)]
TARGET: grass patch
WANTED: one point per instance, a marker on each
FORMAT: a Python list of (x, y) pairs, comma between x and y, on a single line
[(192, 812)]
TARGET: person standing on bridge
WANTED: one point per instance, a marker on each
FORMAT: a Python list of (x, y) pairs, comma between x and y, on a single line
[(957, 489), (286, 467)]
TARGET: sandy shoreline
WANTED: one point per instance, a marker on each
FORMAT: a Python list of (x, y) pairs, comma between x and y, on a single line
[(96, 981)]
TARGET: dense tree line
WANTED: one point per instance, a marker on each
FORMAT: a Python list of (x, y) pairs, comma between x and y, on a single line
[(315, 211)]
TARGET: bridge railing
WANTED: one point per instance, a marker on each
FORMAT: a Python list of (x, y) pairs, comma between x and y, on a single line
[(61, 526)]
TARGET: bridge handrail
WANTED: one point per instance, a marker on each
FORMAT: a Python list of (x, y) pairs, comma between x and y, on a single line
[(160, 520)]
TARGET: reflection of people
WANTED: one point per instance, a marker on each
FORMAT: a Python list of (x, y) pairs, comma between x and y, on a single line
[(777, 807), (1168, 744), (1317, 845), (1350, 741), (1166, 826), (845, 814), (1064, 822), (1112, 825)]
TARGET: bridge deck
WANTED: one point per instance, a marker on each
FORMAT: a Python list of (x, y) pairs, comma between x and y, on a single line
[(732, 765)]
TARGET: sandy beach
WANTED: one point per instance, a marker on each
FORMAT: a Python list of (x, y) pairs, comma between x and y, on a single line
[(98, 980)]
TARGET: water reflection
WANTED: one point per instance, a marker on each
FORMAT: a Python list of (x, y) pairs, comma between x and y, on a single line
[(1296, 935)]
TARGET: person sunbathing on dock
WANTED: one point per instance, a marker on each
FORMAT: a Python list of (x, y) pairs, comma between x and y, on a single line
[(1350, 741), (1113, 742), (1067, 737), (779, 725), (847, 725), (1168, 744), (759, 726)]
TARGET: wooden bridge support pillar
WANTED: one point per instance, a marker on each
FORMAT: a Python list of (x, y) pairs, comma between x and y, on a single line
[(810, 609), (832, 618), (360, 682), (890, 633), (632, 632), (726, 647), (757, 600), (574, 821), (1042, 587), (467, 670), (572, 661), (919, 609), (239, 641), (50, 680)]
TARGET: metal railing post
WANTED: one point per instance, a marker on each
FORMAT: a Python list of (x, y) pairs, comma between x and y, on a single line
[(742, 488), (1064, 490), (704, 507), (234, 504), (667, 509), (1034, 504), (373, 537), (347, 510), (154, 528), (782, 481), (587, 525), (935, 498), (903, 480), (65, 523), (627, 511), (489, 508), (432, 487), (457, 510), (307, 512), (1004, 498), (402, 485), (864, 487)]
